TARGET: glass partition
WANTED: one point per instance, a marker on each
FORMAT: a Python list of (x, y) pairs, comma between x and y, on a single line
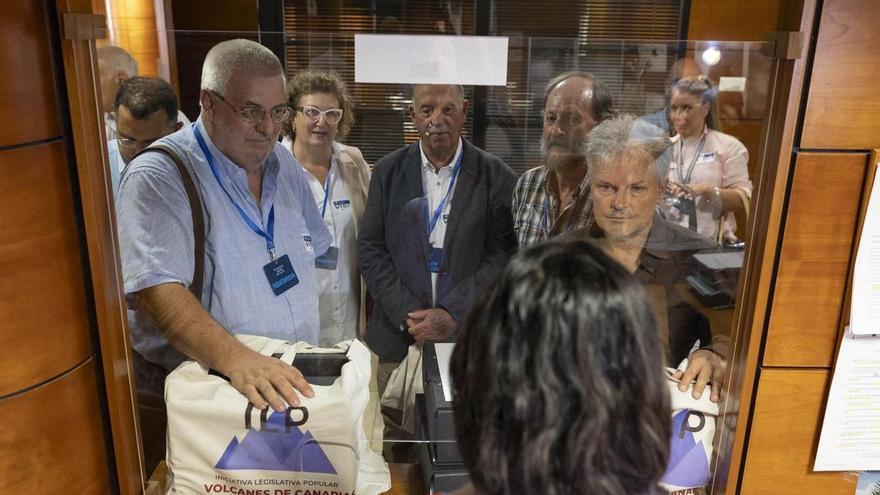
[(707, 191)]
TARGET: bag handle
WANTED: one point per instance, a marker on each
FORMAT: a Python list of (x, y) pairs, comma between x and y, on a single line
[(271, 349)]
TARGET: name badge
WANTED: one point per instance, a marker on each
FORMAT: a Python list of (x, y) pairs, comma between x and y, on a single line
[(342, 204), (281, 275), (435, 258), (307, 239), (706, 157), (328, 260)]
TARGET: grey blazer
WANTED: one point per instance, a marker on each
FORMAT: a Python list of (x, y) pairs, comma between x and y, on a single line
[(393, 242)]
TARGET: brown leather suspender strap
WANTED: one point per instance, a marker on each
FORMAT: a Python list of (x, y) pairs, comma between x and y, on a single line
[(198, 217)]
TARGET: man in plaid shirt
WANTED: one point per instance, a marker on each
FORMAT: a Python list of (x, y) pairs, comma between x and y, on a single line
[(554, 198)]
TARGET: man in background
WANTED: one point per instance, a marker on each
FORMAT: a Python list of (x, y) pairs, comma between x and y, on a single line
[(115, 65), (436, 230), (146, 110), (629, 162), (554, 198)]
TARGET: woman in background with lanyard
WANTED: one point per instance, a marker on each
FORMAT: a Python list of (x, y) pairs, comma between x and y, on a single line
[(709, 175), (339, 179)]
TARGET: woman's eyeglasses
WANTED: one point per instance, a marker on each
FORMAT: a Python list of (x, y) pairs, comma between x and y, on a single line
[(332, 115)]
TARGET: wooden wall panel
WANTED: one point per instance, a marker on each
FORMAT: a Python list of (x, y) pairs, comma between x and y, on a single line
[(788, 418), (133, 27), (843, 110), (43, 291), (732, 20), (816, 248), (27, 93), (52, 440)]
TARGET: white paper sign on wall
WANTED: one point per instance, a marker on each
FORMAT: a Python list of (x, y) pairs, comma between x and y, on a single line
[(428, 59)]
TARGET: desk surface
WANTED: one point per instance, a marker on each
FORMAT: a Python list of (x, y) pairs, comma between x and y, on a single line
[(405, 480)]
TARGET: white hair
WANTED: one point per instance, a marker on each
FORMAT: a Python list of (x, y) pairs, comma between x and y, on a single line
[(628, 134), (229, 57), (115, 59)]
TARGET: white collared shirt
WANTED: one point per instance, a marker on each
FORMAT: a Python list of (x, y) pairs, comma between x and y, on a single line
[(434, 184), (339, 298)]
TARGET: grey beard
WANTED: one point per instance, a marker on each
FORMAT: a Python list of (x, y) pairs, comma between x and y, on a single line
[(571, 159), (564, 163)]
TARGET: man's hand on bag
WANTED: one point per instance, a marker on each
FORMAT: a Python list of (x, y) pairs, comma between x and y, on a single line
[(266, 380), (430, 325), (703, 366)]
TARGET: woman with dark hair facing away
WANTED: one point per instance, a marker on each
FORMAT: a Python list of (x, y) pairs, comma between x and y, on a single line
[(558, 380)]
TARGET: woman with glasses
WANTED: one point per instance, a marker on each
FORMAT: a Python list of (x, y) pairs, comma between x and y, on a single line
[(709, 175), (339, 179)]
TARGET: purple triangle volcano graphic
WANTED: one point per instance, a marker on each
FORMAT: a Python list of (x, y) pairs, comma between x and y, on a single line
[(276, 450), (688, 463)]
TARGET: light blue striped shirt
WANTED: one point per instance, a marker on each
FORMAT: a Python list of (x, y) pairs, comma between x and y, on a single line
[(156, 239)]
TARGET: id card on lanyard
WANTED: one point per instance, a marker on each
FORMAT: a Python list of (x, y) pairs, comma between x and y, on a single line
[(435, 254), (279, 271), (330, 259)]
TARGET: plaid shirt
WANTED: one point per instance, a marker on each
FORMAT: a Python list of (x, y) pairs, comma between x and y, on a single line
[(536, 213)]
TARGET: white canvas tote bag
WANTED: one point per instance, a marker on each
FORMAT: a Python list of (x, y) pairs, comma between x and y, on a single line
[(693, 433), (218, 443)]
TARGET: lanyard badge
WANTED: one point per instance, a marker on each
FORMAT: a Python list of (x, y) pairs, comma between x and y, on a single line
[(279, 271), (435, 254)]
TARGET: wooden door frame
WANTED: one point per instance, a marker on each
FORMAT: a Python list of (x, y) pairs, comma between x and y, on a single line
[(99, 223), (765, 227)]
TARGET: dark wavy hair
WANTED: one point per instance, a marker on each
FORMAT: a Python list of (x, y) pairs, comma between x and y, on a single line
[(310, 81), (558, 376)]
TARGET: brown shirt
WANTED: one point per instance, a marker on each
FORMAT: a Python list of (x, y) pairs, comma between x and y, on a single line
[(666, 261)]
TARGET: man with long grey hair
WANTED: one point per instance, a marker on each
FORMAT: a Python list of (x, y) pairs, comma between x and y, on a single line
[(629, 160), (260, 236)]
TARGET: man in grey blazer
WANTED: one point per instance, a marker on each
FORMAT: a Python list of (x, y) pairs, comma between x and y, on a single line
[(436, 230)]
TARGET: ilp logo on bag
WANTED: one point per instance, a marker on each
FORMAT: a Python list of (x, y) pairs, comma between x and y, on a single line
[(320, 447), (278, 445), (691, 445), (688, 459)]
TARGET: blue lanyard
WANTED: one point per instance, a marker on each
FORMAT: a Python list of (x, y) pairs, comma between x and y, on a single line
[(431, 221), (686, 179), (269, 234), (327, 182)]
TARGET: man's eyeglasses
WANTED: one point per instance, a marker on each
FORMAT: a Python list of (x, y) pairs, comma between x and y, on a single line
[(131, 143), (332, 115), (255, 113)]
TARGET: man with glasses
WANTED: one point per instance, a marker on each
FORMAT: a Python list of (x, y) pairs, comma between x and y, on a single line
[(261, 235), (554, 198), (115, 66), (146, 110)]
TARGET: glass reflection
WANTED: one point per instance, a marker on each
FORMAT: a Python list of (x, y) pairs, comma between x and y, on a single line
[(688, 250)]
